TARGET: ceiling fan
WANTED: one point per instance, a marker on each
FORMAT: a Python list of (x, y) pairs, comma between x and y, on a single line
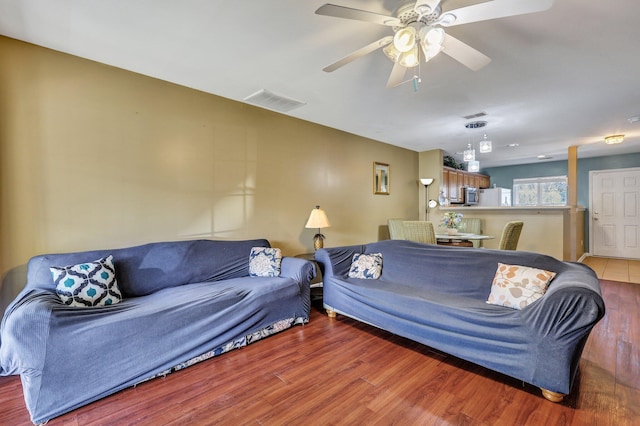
[(417, 32)]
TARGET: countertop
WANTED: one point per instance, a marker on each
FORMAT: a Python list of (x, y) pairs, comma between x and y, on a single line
[(509, 208)]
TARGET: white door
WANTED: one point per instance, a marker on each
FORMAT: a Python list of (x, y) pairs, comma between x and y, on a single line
[(615, 213)]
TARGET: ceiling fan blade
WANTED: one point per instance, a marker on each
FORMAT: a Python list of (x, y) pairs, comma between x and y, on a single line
[(397, 76), (425, 7), (492, 10), (465, 54), (358, 15), (358, 53)]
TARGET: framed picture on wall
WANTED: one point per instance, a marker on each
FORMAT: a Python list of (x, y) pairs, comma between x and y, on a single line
[(381, 178)]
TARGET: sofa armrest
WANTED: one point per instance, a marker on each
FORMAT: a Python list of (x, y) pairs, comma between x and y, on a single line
[(337, 260), (560, 323), (298, 269), (24, 332), (572, 302), (564, 312)]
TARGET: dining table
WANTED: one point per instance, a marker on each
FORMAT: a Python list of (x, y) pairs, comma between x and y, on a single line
[(461, 239)]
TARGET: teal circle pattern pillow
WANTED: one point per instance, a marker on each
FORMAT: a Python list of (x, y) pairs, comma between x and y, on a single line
[(87, 284)]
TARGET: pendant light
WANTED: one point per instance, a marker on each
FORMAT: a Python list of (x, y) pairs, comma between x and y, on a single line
[(485, 145)]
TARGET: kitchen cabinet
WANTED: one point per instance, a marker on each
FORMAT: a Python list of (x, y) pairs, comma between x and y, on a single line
[(444, 185), (454, 180), (468, 180), (484, 181), (454, 185)]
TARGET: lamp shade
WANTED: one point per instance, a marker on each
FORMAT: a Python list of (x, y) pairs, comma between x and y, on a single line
[(318, 219), (410, 58), (405, 39), (426, 181)]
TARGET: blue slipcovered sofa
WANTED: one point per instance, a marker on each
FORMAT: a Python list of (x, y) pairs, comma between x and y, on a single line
[(438, 295), (182, 302)]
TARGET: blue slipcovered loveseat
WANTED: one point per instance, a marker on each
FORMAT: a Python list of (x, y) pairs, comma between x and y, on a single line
[(438, 295), (182, 302)]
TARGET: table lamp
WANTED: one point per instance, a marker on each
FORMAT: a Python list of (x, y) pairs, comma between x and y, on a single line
[(318, 219)]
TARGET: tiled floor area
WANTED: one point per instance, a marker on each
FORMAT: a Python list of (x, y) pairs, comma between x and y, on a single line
[(615, 269)]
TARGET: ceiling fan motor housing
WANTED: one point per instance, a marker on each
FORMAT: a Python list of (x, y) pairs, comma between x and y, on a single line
[(407, 14)]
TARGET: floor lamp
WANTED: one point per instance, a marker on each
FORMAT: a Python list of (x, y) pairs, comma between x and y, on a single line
[(426, 182)]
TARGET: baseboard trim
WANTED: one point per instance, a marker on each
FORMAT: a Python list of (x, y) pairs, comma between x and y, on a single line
[(583, 257)]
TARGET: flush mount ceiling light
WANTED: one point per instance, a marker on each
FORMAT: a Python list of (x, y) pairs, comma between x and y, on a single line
[(544, 157), (613, 139)]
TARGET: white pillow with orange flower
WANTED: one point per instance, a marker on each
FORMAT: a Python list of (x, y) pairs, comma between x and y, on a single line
[(517, 286)]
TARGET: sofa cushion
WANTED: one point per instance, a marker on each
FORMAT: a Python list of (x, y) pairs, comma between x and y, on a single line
[(265, 262), (517, 286), (368, 266), (87, 284)]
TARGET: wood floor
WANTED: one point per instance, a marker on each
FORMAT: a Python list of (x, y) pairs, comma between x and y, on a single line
[(340, 372)]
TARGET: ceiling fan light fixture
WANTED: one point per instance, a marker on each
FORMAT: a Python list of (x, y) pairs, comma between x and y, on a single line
[(430, 35), (392, 53), (405, 39), (430, 52), (410, 59)]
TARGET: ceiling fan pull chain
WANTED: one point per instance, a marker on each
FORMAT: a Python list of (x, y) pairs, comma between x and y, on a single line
[(416, 77)]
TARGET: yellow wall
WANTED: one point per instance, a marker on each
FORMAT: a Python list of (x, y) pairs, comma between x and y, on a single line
[(96, 157)]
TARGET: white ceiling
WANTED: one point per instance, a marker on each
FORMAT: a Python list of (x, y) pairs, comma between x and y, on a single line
[(567, 76)]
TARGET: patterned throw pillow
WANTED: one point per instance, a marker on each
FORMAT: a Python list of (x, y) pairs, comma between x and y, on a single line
[(265, 262), (518, 286), (87, 284), (368, 266)]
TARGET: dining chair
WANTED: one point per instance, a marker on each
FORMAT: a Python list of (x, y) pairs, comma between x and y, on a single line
[(473, 225), (419, 231), (510, 235), (396, 229)]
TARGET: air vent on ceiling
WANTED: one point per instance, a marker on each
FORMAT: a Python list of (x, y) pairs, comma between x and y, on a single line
[(269, 100), (476, 115)]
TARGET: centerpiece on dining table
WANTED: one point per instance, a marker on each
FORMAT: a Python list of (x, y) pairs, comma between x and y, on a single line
[(452, 222)]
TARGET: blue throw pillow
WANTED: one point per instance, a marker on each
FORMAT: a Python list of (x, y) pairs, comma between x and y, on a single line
[(87, 284), (367, 266), (265, 262)]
